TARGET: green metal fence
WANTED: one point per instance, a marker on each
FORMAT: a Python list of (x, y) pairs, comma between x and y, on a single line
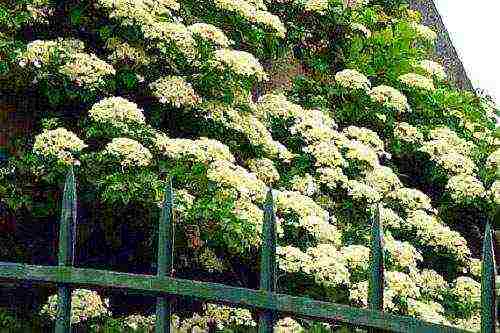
[(266, 300)]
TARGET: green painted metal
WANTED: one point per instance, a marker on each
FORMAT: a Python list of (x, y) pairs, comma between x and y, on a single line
[(214, 292), (165, 259), (376, 282), (66, 256), (488, 274), (268, 262)]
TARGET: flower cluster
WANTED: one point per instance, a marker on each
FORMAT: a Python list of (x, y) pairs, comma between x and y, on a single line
[(85, 305), (423, 32), (176, 91), (253, 12), (352, 80), (417, 81), (432, 69), (410, 199), (87, 70), (407, 133), (240, 62), (226, 174), (169, 34), (210, 33), (59, 144), (306, 184), (431, 233), (383, 179), (116, 111), (319, 6), (122, 52), (449, 151), (362, 153), (43, 52), (202, 150), (129, 152), (464, 188), (362, 192), (389, 97), (264, 169), (365, 136)]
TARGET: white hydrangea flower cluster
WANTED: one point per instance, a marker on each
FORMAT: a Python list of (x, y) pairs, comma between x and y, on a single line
[(59, 144), (432, 285), (362, 192), (240, 62), (301, 211), (410, 199), (352, 80), (402, 255), (365, 136), (432, 69), (306, 185), (228, 316), (169, 34), (407, 133), (358, 151), (175, 91), (87, 70), (287, 325), (313, 125), (85, 305), (138, 11), (389, 97), (201, 150), (137, 321), (116, 111), (264, 169), (449, 151), (250, 126), (318, 6), (423, 32), (467, 289), (245, 210), (129, 152), (383, 179), (326, 154), (427, 311), (254, 13), (123, 52), (432, 233), (464, 188), (417, 81), (226, 174), (42, 52), (211, 33), (357, 257)]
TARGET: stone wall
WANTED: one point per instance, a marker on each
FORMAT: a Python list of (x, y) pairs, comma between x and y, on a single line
[(446, 53)]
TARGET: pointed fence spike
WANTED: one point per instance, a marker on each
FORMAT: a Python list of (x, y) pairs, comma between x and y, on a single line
[(165, 258), (66, 255), (268, 261), (488, 274), (376, 283)]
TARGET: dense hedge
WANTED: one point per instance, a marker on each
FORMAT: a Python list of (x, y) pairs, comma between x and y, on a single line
[(335, 104)]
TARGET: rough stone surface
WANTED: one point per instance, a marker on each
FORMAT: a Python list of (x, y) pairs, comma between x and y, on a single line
[(445, 51)]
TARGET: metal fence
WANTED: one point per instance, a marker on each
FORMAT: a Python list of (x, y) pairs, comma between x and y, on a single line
[(266, 300)]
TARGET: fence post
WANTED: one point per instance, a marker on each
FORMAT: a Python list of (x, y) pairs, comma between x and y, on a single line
[(268, 262), (488, 275), (376, 283), (165, 259), (66, 256)]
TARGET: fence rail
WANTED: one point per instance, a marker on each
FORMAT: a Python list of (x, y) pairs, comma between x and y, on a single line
[(165, 287)]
